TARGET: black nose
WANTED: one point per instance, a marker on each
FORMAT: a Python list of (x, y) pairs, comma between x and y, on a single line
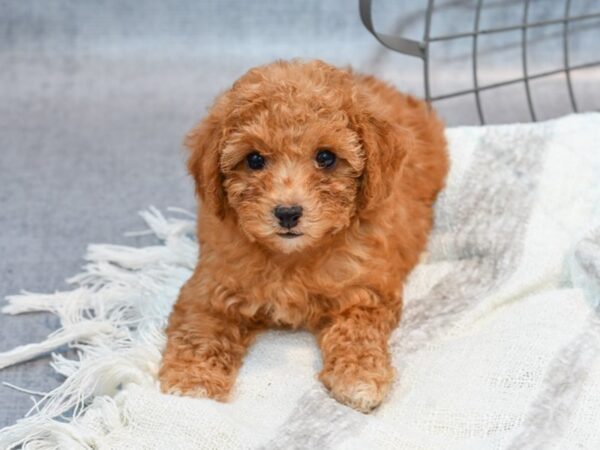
[(288, 215)]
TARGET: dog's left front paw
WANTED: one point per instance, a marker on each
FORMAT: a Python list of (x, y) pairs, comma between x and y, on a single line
[(356, 387)]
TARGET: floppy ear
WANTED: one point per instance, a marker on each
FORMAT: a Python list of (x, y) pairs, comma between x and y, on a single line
[(385, 145), (204, 143)]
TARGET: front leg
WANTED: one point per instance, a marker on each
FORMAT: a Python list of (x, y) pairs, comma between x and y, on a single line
[(204, 349), (356, 362)]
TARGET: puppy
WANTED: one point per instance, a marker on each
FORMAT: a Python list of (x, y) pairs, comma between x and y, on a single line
[(316, 188)]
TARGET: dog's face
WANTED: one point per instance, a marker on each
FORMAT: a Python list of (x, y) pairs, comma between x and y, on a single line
[(284, 151), (292, 176)]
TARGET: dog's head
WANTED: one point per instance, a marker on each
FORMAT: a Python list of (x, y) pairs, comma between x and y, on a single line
[(294, 152)]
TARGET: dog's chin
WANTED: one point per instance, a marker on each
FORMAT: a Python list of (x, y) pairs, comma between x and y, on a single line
[(283, 241), (294, 240), (289, 241)]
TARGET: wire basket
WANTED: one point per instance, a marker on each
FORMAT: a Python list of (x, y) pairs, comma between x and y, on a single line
[(566, 22)]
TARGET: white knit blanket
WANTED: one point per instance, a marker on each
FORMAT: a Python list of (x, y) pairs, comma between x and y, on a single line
[(498, 347)]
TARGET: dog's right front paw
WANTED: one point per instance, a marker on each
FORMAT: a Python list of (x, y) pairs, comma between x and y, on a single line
[(194, 381), (184, 391)]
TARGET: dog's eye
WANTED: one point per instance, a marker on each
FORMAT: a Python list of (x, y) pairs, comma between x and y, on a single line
[(325, 158), (255, 161)]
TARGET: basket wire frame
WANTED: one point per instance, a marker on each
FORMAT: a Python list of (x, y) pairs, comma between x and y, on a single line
[(420, 49)]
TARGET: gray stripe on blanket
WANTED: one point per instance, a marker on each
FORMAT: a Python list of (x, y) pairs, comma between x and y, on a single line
[(553, 407), (481, 225), (551, 411), (587, 257), (317, 422)]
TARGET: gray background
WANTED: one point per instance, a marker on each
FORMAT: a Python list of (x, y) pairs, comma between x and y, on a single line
[(95, 97)]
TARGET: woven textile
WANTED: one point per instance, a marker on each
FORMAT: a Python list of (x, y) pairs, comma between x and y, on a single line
[(498, 347)]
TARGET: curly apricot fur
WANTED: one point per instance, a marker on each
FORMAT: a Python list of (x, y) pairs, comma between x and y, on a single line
[(365, 222)]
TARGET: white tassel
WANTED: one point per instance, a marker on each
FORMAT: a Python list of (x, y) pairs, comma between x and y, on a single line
[(30, 302), (77, 332), (115, 319)]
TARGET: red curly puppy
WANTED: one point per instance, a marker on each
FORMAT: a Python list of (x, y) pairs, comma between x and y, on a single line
[(317, 187)]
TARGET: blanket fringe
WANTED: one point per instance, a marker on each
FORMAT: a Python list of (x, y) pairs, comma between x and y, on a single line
[(114, 320), (78, 332)]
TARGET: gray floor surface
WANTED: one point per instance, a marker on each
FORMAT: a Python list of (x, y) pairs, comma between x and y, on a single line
[(95, 98)]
